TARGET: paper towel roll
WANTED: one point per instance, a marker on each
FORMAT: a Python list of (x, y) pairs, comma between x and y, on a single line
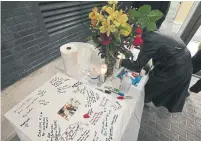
[(69, 53)]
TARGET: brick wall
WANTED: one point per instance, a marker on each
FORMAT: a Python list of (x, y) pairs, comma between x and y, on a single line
[(25, 44)]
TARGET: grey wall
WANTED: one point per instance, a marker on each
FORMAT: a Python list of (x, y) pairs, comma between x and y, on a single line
[(26, 45)]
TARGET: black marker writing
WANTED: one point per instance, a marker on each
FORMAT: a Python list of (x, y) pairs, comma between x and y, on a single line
[(62, 89), (25, 123), (84, 135), (20, 108), (77, 84), (43, 102), (104, 102), (96, 117), (57, 81), (27, 113), (116, 106), (34, 100)]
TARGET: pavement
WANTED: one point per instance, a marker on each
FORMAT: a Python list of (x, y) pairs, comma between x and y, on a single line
[(157, 124)]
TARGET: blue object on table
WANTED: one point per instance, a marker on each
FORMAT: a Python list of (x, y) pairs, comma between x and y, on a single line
[(122, 72), (120, 94), (136, 80)]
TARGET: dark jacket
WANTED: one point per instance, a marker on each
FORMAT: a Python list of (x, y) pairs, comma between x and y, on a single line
[(169, 80), (196, 59), (163, 6)]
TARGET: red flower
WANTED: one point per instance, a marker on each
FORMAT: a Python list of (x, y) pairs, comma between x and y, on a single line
[(139, 30), (138, 41), (105, 40)]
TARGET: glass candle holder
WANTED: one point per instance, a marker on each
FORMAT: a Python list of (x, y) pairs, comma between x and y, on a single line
[(118, 61), (103, 71)]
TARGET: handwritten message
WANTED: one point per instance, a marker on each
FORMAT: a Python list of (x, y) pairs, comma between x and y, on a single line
[(25, 123), (48, 129), (76, 131), (43, 102), (104, 102), (84, 136), (77, 84), (96, 117), (111, 128), (96, 137), (62, 120), (63, 89), (91, 98), (43, 125), (27, 107), (57, 81), (55, 132), (116, 106)]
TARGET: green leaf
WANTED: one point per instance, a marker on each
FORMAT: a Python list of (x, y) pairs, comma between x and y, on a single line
[(89, 38), (131, 20), (133, 14), (151, 26), (117, 36), (144, 21), (155, 15), (144, 10), (122, 27)]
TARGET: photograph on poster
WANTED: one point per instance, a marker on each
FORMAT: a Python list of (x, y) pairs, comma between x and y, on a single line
[(69, 109)]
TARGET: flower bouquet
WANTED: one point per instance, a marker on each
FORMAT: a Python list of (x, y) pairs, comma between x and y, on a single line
[(116, 31)]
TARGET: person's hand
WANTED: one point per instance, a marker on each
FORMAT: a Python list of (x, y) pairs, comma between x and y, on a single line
[(142, 72)]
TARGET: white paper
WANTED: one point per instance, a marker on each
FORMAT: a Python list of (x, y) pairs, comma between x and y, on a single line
[(39, 117), (69, 54)]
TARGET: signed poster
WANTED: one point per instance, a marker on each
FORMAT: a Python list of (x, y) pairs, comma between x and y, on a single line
[(54, 112)]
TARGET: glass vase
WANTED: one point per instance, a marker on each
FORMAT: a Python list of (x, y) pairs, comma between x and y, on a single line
[(110, 60)]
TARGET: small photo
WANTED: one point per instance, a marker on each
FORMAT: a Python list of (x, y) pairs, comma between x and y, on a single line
[(135, 77), (69, 109)]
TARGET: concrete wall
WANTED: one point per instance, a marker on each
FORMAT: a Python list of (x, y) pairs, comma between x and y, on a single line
[(26, 45)]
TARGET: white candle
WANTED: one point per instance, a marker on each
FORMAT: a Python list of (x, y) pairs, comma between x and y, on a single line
[(102, 72), (118, 61)]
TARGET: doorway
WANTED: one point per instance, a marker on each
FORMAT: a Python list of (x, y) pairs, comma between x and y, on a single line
[(178, 15)]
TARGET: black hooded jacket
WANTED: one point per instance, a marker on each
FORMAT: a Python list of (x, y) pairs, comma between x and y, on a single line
[(169, 80)]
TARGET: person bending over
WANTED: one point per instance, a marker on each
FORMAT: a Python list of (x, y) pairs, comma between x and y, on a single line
[(170, 78)]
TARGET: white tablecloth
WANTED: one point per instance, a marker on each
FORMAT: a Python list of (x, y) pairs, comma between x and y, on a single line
[(128, 127)]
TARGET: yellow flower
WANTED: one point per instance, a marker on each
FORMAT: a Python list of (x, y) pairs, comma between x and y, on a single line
[(95, 10), (112, 16), (99, 17), (107, 27), (92, 15), (112, 2), (126, 30), (109, 10), (104, 8), (120, 18)]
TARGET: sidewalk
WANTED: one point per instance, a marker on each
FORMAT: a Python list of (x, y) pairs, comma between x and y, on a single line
[(184, 126)]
